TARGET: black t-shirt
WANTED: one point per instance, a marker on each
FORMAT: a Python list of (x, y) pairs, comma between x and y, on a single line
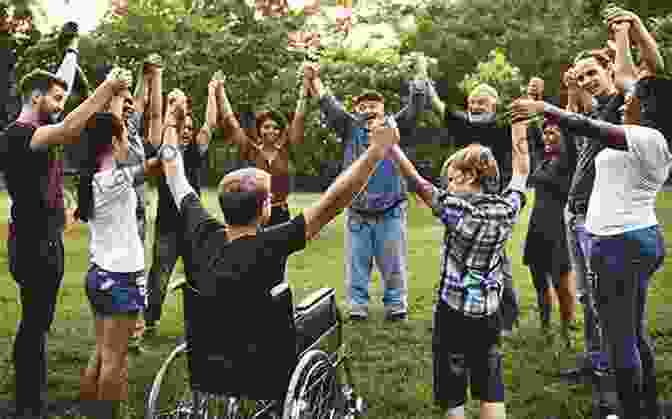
[(234, 325), (489, 134), (608, 109), (167, 214), (33, 183)]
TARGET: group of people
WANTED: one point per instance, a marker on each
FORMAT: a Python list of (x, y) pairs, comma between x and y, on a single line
[(596, 168)]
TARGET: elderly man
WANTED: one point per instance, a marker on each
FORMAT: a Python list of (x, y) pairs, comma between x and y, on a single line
[(376, 219), (479, 125)]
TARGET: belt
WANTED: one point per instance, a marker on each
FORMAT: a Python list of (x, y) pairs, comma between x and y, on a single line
[(578, 208), (282, 205)]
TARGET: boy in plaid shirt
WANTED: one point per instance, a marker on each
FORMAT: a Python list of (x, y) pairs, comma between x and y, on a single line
[(478, 223)]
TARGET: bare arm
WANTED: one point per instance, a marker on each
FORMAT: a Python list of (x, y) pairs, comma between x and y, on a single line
[(297, 128), (205, 133), (349, 183), (228, 121), (652, 61), (69, 130), (624, 66), (174, 169), (156, 107)]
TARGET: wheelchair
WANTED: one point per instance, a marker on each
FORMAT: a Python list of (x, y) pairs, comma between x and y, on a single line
[(317, 383)]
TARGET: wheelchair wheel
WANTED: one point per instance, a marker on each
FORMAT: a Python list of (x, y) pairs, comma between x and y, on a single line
[(171, 395), (313, 389)]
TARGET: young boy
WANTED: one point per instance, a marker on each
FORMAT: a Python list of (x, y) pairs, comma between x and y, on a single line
[(478, 223)]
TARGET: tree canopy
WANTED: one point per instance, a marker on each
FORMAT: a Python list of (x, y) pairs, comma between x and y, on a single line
[(508, 40)]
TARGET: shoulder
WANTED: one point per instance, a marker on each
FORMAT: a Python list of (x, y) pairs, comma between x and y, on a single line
[(644, 135)]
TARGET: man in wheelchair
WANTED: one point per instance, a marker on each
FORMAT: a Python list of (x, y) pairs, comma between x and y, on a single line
[(241, 343)]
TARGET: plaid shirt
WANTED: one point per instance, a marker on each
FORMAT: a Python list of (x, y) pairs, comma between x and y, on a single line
[(477, 228)]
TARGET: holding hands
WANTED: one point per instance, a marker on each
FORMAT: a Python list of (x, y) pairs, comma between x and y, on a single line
[(120, 79)]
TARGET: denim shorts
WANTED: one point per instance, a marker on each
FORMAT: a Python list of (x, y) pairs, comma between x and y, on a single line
[(113, 293)]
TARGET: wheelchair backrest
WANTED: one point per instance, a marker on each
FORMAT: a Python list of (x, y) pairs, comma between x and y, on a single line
[(318, 323)]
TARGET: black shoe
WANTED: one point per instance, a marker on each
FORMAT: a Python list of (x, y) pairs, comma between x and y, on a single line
[(356, 317), (396, 317), (577, 375)]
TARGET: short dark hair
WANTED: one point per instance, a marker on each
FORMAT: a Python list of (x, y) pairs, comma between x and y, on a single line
[(41, 81)]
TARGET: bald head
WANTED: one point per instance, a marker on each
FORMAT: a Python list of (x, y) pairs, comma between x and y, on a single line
[(483, 99)]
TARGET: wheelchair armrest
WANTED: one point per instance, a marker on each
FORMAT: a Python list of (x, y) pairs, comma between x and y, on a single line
[(313, 298)]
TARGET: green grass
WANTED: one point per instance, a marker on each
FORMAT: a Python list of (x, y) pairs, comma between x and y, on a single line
[(392, 363)]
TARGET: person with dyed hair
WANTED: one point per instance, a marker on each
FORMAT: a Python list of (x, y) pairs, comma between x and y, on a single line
[(479, 220), (237, 264), (626, 245)]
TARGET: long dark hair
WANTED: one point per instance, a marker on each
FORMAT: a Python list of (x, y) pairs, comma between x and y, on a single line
[(654, 95), (99, 131)]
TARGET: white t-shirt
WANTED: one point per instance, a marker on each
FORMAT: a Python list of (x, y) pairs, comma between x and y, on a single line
[(115, 243), (626, 183)]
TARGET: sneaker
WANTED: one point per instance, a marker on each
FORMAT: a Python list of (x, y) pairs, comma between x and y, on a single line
[(396, 317)]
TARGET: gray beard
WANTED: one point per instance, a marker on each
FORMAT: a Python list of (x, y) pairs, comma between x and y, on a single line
[(481, 118)]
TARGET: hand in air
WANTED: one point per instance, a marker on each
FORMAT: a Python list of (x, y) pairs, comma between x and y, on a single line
[(153, 64), (523, 109), (120, 78)]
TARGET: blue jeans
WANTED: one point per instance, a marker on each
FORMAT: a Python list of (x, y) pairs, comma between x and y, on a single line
[(383, 238), (624, 264), (579, 241)]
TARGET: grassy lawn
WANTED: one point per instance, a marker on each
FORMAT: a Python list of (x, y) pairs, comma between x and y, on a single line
[(392, 363)]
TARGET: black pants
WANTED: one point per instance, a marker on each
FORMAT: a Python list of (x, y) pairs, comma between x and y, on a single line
[(37, 268), (508, 309), (164, 257)]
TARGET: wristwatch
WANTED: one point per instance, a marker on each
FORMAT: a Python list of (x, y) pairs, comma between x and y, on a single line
[(168, 152)]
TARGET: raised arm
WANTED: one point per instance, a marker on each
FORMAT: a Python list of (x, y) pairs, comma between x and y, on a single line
[(298, 125), (205, 133), (652, 60), (155, 105), (594, 130), (68, 68), (70, 129), (173, 164), (337, 117), (228, 121), (349, 183), (418, 92)]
